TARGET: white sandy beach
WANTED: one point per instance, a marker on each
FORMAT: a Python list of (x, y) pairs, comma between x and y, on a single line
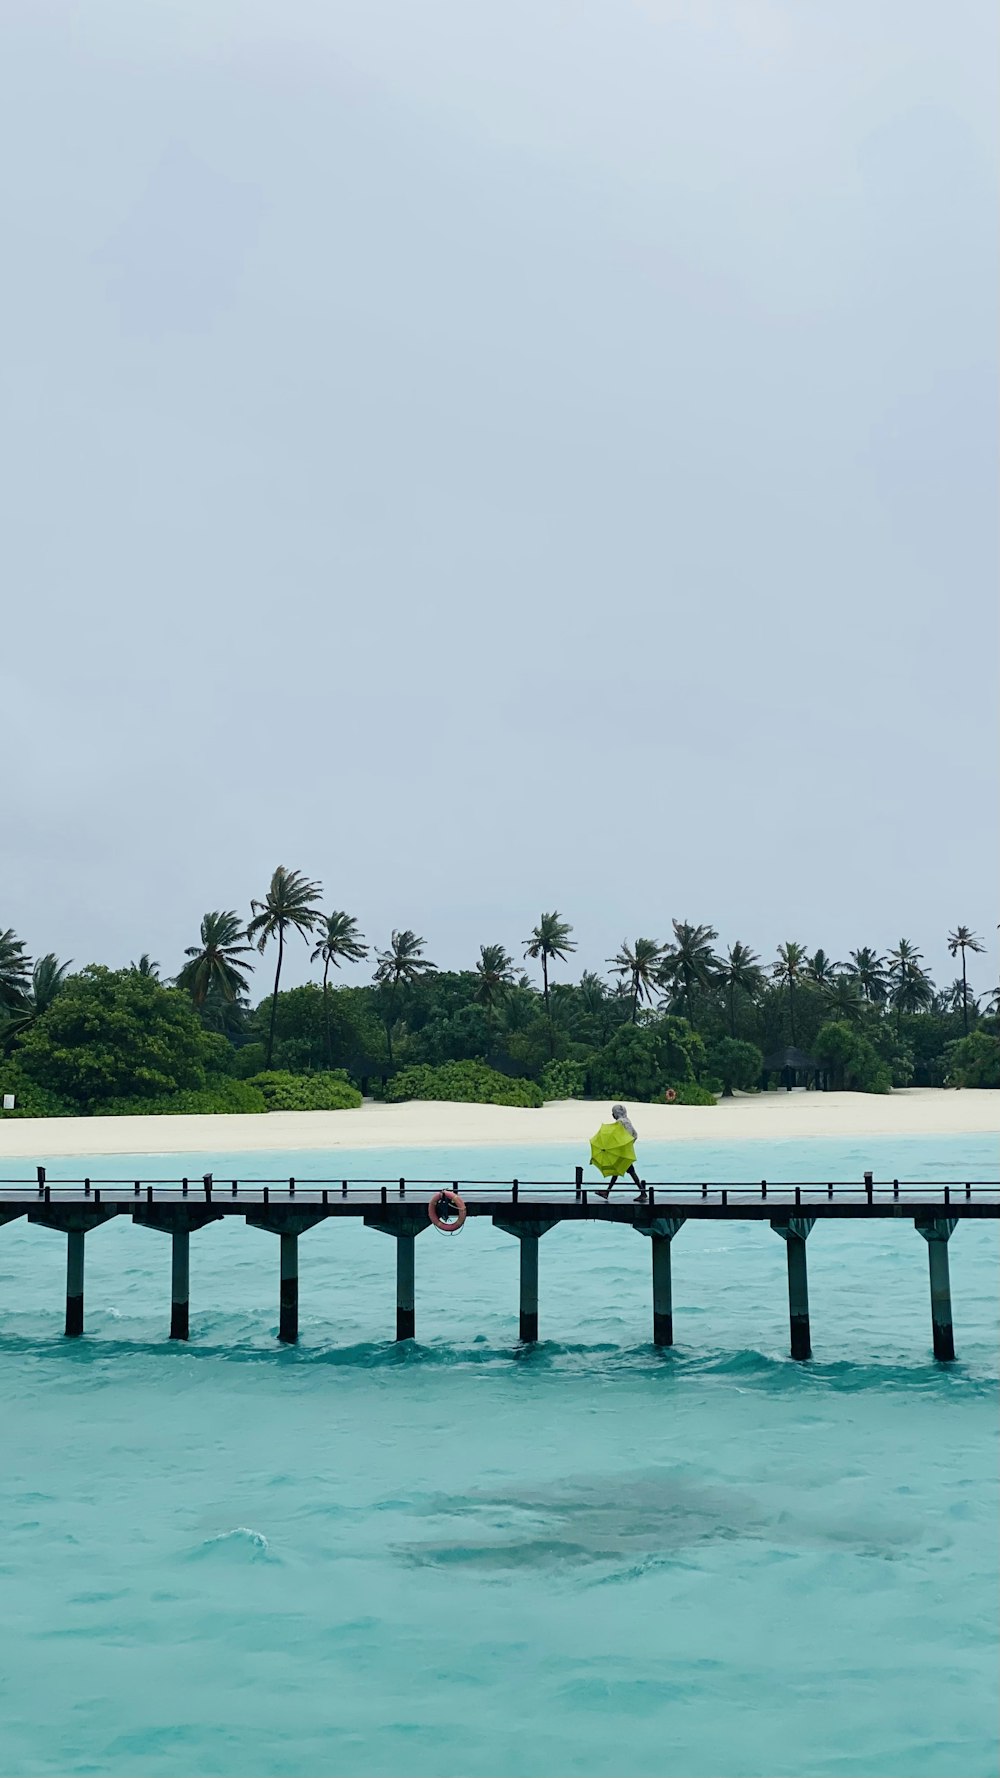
[(916, 1111)]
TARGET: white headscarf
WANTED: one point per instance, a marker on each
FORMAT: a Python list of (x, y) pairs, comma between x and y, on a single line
[(621, 1116)]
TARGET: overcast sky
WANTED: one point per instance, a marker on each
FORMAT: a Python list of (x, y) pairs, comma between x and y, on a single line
[(495, 456)]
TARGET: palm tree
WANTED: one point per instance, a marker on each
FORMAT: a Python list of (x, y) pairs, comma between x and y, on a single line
[(403, 962), (689, 960), (739, 970), (518, 1010), (290, 902), (47, 978), (227, 1017), (15, 965), (215, 964), (595, 1002), (146, 966), (910, 985), (954, 998), (963, 940), (843, 996), (789, 968), (550, 938), (638, 964), (821, 969), (868, 968), (494, 975), (341, 938)]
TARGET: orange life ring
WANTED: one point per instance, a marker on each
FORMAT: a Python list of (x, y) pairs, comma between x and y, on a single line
[(450, 1227), (670, 1095)]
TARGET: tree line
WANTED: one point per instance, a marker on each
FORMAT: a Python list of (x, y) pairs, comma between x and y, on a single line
[(682, 1010)]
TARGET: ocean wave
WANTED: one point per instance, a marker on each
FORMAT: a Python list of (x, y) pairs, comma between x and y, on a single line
[(241, 1541), (747, 1369)]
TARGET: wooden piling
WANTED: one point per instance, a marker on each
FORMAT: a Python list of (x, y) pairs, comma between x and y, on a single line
[(528, 1234), (74, 1282), (937, 1234), (529, 1288), (406, 1268), (404, 1227), (798, 1297), (177, 1221), (661, 1231), (180, 1282), (288, 1309), (794, 1232), (663, 1295)]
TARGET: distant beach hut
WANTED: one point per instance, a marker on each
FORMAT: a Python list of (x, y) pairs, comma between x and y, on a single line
[(795, 1068)]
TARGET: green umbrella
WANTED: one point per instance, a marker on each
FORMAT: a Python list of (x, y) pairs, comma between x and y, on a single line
[(612, 1150)]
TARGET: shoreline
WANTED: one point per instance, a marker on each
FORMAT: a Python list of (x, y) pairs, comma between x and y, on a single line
[(771, 1117)]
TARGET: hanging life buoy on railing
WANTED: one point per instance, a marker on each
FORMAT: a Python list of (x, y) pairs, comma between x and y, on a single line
[(670, 1095), (449, 1225)]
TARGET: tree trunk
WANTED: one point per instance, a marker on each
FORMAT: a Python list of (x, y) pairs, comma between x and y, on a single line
[(635, 997), (326, 1010), (274, 996), (732, 1009), (548, 1009), (965, 997), (387, 1021), (791, 1009)]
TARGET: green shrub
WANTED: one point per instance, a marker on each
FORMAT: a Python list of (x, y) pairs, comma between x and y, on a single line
[(563, 1080), (116, 1034), (738, 1064), (973, 1061), (29, 1100), (901, 1066), (682, 1049), (469, 1082), (220, 1097), (640, 1061), (313, 1029), (693, 1092), (630, 1066), (306, 1092), (248, 1060), (529, 1049), (851, 1058), (927, 1038)]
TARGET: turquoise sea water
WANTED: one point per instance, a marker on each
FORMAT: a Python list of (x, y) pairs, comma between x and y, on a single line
[(463, 1557)]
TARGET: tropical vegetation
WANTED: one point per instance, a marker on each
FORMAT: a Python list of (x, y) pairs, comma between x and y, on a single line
[(678, 1015), (474, 1082)]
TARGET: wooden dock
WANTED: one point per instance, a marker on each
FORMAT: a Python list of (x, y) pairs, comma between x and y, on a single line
[(525, 1209)]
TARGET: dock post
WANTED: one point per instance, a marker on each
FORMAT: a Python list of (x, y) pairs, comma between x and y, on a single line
[(73, 1221), (180, 1282), (288, 1311), (528, 1234), (794, 1232), (406, 1268), (74, 1282), (661, 1231), (177, 1221), (404, 1225), (288, 1222), (937, 1233), (663, 1295), (528, 1319)]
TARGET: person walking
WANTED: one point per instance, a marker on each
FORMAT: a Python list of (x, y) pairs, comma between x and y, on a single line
[(621, 1117)]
